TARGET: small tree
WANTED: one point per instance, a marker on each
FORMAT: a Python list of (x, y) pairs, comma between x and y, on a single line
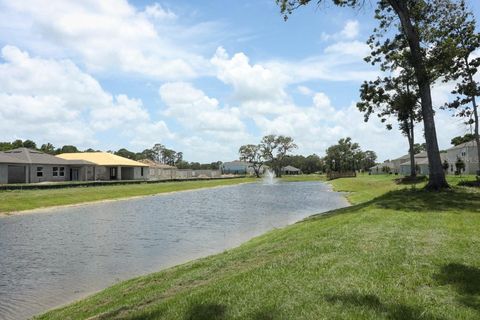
[(446, 166), (252, 154), (460, 166)]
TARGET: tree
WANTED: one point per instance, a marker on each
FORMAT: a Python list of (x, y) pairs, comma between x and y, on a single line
[(412, 19), (343, 156), (29, 144), (17, 144), (460, 166), (252, 154), (419, 147), (395, 96), (446, 166), (126, 154), (274, 149), (459, 40), (367, 160), (48, 148), (5, 146), (67, 149), (462, 139)]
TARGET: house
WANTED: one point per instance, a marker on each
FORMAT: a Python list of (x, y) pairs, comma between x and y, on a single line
[(237, 167), (421, 164), (384, 168), (290, 170), (159, 171), (24, 165), (107, 166), (467, 152)]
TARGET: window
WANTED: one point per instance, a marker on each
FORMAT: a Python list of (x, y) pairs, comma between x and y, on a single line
[(55, 171), (39, 171), (62, 171), (141, 171)]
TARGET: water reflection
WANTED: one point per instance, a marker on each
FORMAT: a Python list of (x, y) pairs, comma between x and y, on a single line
[(48, 259)]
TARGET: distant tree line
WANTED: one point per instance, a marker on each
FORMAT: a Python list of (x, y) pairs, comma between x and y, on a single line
[(158, 153)]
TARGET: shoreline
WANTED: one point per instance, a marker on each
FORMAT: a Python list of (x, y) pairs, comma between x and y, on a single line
[(194, 259), (80, 204)]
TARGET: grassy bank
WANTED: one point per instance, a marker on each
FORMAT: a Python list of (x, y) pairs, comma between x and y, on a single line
[(396, 254), (18, 200)]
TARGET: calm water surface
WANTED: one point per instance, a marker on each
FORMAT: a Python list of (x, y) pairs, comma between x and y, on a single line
[(51, 258)]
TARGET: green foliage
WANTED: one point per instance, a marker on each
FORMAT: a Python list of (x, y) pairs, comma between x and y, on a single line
[(252, 154), (348, 156), (462, 139), (459, 166)]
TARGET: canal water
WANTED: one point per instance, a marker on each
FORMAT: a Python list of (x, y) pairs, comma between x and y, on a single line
[(53, 257)]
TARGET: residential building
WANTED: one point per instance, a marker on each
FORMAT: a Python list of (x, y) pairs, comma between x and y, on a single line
[(24, 165), (237, 167), (291, 170), (467, 152), (107, 166)]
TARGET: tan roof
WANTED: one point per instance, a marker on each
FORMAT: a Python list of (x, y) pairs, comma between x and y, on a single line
[(102, 159)]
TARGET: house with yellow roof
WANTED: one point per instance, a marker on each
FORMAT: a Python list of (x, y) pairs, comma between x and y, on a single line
[(106, 166)]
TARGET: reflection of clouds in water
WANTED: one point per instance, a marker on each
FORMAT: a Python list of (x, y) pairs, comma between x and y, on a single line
[(53, 258)]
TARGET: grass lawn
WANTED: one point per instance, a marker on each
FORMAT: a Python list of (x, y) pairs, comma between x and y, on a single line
[(398, 253), (19, 200)]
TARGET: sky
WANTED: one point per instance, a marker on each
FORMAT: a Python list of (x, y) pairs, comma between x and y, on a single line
[(201, 77)]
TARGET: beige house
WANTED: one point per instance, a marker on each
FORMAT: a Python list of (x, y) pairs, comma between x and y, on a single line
[(106, 166), (467, 152)]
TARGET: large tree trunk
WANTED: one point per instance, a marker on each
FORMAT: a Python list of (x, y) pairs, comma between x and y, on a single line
[(437, 179), (411, 143), (477, 136)]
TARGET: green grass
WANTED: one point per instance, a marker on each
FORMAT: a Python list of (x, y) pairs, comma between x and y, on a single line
[(304, 177), (19, 200), (397, 254)]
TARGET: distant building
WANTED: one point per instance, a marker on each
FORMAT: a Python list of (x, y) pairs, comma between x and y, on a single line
[(237, 167), (290, 170), (467, 152)]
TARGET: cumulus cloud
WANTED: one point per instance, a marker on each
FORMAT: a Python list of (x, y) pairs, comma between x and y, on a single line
[(350, 31), (196, 110), (110, 35), (55, 101)]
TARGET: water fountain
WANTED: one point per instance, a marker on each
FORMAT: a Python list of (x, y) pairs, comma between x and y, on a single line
[(269, 177)]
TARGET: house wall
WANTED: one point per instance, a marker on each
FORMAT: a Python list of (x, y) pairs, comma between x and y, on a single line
[(137, 173), (3, 174), (234, 168), (47, 173), (422, 169), (467, 154), (206, 174)]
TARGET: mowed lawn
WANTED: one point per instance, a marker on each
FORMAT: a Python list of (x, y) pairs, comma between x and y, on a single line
[(398, 253), (18, 200)]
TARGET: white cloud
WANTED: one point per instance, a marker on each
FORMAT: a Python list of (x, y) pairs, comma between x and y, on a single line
[(54, 101), (306, 91), (196, 110), (350, 31), (110, 35)]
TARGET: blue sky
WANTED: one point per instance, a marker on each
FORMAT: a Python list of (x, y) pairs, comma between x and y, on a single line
[(202, 77)]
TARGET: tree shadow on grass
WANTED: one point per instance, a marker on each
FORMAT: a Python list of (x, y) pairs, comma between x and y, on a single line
[(415, 200), (394, 311), (422, 200), (208, 311), (465, 279)]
